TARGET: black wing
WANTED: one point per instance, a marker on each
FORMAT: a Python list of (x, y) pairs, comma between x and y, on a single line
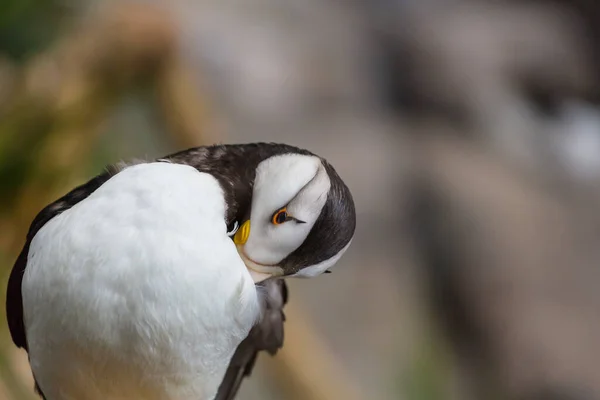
[(266, 335)]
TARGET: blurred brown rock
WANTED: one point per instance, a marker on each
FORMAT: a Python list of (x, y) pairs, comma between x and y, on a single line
[(513, 267)]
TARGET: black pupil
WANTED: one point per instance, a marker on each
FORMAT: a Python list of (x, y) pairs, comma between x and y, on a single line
[(281, 217)]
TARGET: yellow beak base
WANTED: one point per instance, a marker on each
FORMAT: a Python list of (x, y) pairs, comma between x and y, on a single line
[(241, 236)]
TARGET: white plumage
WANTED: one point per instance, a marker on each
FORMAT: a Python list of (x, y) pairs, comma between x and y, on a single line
[(137, 291)]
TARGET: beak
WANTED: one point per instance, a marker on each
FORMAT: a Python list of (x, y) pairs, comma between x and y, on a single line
[(258, 272), (241, 236)]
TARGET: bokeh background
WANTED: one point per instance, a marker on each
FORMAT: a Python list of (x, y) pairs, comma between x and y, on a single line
[(468, 131)]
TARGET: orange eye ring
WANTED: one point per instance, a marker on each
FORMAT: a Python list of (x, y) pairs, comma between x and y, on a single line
[(280, 217)]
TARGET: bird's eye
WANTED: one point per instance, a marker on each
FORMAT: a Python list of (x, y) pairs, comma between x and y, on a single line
[(280, 217)]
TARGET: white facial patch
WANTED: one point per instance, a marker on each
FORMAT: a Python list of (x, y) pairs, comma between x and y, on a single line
[(318, 269), (297, 181), (307, 205)]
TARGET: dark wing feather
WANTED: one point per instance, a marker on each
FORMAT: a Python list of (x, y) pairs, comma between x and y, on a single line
[(14, 302), (267, 335)]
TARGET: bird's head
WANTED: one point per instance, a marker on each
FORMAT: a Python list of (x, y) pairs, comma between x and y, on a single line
[(301, 219)]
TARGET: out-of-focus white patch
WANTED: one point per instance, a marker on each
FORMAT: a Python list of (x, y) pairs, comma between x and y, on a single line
[(578, 141)]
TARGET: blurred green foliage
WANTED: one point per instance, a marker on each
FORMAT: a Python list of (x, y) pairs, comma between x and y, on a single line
[(28, 26), (427, 377)]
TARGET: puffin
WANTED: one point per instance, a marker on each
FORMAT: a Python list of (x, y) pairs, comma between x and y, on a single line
[(163, 280)]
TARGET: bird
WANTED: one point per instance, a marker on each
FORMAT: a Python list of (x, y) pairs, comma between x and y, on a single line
[(164, 279)]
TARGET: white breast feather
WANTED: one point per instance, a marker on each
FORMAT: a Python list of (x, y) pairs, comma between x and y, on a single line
[(137, 292)]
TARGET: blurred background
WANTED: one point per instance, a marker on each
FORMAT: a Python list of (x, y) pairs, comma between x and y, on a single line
[(468, 131)]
